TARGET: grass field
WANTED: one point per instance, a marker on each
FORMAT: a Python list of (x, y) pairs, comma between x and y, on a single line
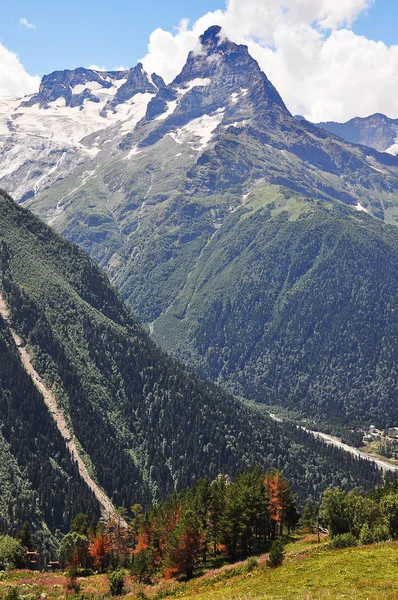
[(310, 572)]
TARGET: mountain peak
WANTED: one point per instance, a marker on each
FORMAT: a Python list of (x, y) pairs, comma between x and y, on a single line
[(212, 35)]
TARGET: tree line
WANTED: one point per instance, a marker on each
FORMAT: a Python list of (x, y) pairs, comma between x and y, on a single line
[(220, 517)]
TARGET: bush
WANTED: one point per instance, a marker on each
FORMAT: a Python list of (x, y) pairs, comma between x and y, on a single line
[(12, 554), (343, 540), (276, 554), (12, 594), (366, 535), (116, 583), (251, 564), (72, 583), (381, 533)]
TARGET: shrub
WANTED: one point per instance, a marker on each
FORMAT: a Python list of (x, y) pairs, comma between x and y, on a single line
[(251, 564), (343, 540), (116, 583), (366, 535), (381, 533), (72, 583), (276, 554), (12, 594), (12, 553)]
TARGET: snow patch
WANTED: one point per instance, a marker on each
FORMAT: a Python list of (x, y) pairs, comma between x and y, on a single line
[(202, 128), (172, 104), (235, 96), (133, 152), (237, 124), (135, 110), (361, 208), (95, 86), (393, 149), (175, 135)]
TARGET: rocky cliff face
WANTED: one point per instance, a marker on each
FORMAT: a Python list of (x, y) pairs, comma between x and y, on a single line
[(377, 131), (42, 138)]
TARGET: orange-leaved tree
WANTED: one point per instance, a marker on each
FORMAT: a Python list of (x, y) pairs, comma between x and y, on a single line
[(99, 548), (279, 497)]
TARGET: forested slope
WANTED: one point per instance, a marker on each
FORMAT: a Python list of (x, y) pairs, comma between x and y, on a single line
[(293, 303), (38, 480), (145, 424)]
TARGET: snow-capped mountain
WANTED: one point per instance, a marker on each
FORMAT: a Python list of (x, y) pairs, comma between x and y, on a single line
[(205, 142), (42, 137), (376, 131), (209, 196)]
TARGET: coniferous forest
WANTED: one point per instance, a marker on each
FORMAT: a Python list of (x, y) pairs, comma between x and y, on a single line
[(146, 426)]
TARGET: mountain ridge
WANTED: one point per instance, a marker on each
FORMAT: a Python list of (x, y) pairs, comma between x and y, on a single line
[(213, 150), (376, 131)]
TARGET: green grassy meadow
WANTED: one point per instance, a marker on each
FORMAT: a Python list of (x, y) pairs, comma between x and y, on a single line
[(310, 572)]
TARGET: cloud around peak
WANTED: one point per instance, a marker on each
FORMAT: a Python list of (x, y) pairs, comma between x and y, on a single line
[(321, 68)]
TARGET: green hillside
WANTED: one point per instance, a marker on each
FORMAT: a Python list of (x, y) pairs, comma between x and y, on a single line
[(293, 303), (38, 480), (145, 425)]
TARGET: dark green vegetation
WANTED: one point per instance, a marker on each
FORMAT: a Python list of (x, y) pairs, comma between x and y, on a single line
[(146, 426), (38, 480), (293, 303), (251, 258)]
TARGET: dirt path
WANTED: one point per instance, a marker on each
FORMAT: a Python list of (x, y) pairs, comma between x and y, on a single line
[(55, 411)]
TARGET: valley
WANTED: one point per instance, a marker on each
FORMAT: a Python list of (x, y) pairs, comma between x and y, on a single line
[(176, 257), (255, 247)]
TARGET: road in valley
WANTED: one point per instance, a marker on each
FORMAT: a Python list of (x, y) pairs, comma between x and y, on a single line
[(330, 439)]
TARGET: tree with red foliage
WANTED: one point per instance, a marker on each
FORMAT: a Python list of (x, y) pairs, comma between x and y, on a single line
[(119, 539), (99, 548), (183, 547)]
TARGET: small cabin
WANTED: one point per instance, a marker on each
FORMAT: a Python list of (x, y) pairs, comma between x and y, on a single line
[(53, 565), (393, 432)]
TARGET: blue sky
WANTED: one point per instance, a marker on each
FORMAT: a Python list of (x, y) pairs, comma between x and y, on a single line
[(71, 33), (380, 22)]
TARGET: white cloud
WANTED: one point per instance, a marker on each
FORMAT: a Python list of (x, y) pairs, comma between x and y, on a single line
[(97, 68), (14, 80), (307, 49), (25, 23)]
